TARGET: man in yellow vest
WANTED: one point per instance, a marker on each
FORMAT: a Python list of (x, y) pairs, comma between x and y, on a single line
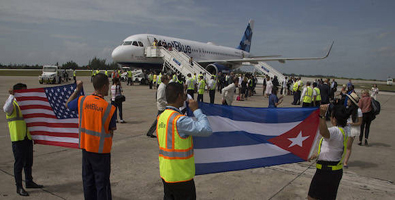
[(22, 145), (96, 125), (176, 158), (130, 77), (307, 95), (201, 87), (316, 95), (190, 85)]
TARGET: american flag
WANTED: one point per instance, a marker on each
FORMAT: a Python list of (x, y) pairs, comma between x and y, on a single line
[(46, 116)]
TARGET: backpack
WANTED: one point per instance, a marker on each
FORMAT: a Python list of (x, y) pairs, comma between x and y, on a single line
[(375, 107)]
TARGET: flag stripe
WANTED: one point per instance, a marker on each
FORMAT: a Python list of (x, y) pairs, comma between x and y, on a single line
[(32, 98), (50, 119), (55, 139), (55, 130), (236, 138), (72, 135), (238, 153), (54, 143), (39, 115), (35, 107), (207, 168), (53, 125), (223, 124)]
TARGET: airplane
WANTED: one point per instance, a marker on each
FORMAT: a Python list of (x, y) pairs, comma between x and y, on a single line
[(212, 57)]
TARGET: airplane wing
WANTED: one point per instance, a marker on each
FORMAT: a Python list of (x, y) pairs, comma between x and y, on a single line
[(254, 60)]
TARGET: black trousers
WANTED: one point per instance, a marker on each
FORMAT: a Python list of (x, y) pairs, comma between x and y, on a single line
[(23, 155), (200, 98), (212, 95), (306, 105), (296, 98), (96, 169), (191, 92), (365, 126), (179, 191), (118, 106), (317, 103), (153, 126), (150, 85), (130, 82)]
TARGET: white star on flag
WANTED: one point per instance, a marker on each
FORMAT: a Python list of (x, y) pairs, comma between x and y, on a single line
[(298, 140)]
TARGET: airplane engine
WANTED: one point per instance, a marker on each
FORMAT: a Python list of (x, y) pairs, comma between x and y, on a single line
[(214, 68)]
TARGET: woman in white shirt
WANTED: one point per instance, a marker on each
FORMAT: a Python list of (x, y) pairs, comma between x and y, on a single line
[(375, 91), (353, 123), (332, 147), (116, 90)]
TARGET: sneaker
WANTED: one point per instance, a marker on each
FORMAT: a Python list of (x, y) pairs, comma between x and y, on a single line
[(122, 121), (117, 121)]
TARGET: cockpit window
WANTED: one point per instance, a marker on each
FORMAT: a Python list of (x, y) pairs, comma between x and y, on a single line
[(127, 43), (141, 44), (135, 44)]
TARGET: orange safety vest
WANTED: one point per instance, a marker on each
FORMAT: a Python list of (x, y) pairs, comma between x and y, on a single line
[(95, 115)]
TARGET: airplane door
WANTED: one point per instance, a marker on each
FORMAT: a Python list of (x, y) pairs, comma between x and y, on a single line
[(150, 40)]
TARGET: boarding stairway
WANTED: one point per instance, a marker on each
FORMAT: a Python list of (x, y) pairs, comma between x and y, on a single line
[(269, 70), (177, 61)]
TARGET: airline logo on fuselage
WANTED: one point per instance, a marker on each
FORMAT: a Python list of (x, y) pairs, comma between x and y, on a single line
[(178, 46)]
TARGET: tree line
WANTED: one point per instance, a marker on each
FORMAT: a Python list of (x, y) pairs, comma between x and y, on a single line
[(95, 63)]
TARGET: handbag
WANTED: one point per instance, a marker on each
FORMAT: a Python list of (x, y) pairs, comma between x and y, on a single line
[(120, 98)]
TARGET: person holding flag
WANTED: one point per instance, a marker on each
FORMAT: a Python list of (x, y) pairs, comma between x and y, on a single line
[(96, 125), (176, 157), (22, 144), (331, 151)]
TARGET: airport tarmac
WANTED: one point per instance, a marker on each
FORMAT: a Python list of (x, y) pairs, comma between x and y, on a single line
[(135, 171)]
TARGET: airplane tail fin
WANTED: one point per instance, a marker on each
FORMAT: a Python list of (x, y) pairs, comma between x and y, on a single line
[(245, 43)]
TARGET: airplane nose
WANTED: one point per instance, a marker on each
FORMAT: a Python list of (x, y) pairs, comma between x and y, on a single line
[(116, 54)]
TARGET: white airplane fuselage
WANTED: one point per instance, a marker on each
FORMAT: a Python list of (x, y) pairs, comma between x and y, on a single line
[(132, 51)]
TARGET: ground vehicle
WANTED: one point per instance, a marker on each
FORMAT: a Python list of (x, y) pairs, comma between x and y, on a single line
[(390, 81), (50, 74)]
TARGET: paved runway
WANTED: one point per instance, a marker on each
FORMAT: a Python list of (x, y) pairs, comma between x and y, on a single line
[(135, 172)]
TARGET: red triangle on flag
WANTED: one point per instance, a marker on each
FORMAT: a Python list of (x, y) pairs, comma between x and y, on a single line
[(299, 140)]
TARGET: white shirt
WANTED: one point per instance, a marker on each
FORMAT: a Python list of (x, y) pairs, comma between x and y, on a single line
[(115, 91), (349, 120), (228, 93), (161, 101), (210, 84), (8, 106), (332, 148)]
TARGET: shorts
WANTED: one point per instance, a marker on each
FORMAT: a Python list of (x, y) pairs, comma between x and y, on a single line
[(325, 184), (354, 131)]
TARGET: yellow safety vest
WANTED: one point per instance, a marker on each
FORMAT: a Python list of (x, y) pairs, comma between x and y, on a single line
[(340, 164), (300, 85), (154, 80), (295, 87), (191, 86), (106, 73), (176, 158), (159, 79), (17, 125), (307, 96), (74, 73), (318, 97), (130, 74), (201, 87)]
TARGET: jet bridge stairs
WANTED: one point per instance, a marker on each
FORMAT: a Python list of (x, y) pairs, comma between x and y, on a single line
[(177, 61)]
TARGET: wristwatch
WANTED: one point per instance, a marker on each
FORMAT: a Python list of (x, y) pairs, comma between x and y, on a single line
[(322, 117)]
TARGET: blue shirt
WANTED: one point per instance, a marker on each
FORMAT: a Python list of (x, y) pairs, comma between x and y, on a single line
[(273, 99), (73, 106), (188, 126)]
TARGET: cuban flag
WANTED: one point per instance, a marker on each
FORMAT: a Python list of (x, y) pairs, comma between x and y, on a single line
[(246, 137)]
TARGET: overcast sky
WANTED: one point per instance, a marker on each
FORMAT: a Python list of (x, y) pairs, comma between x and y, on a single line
[(49, 31)]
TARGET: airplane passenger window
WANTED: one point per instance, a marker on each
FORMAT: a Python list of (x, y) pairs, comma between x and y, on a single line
[(140, 44), (135, 44), (127, 43)]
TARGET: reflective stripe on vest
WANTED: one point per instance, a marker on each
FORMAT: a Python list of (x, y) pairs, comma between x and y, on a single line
[(340, 163), (17, 125), (308, 95), (102, 135), (295, 87), (176, 158), (318, 97)]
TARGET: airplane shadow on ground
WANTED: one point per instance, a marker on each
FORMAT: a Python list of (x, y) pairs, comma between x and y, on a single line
[(362, 164)]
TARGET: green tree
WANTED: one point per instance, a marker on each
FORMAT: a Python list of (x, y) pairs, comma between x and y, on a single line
[(70, 65)]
